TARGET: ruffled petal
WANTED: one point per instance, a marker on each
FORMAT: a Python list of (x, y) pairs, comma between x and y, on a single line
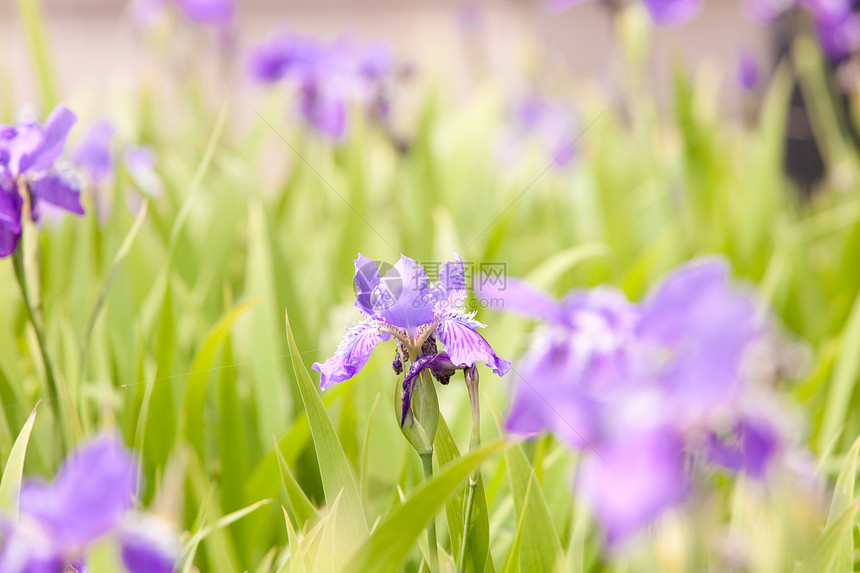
[(631, 482), (456, 331), (61, 188), (91, 493), (352, 353), (450, 290), (403, 297)]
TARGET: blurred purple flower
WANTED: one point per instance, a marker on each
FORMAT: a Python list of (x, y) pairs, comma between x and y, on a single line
[(669, 12), (212, 12), (748, 72), (748, 447), (93, 153), (639, 387), (140, 163), (404, 304), (220, 13), (149, 545), (838, 34), (329, 77), (549, 124), (836, 23), (634, 480), (29, 155), (662, 12), (89, 498)]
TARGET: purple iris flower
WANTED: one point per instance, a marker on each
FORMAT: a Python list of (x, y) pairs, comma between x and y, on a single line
[(93, 153), (670, 12), (329, 77), (748, 446), (662, 12), (149, 545), (839, 35), (405, 305), (640, 387), (29, 156), (766, 10), (90, 498), (220, 13), (549, 124), (634, 480), (836, 23), (747, 72), (140, 162)]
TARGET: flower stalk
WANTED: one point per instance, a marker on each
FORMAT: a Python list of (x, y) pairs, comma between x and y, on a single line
[(419, 429), (427, 464), (471, 375), (25, 264)]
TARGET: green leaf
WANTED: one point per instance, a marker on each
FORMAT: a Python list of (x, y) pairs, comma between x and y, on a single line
[(390, 542), (195, 393), (13, 473), (551, 270), (827, 548), (302, 508), (195, 540), (541, 547), (35, 30), (843, 499), (513, 559), (297, 561), (333, 465), (845, 376), (478, 549)]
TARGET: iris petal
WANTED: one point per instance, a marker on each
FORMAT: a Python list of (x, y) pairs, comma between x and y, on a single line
[(93, 489), (634, 480), (456, 331), (59, 188), (517, 296), (403, 297), (149, 545), (351, 355), (52, 141)]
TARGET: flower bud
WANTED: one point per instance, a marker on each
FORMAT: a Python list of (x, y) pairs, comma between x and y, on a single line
[(422, 418)]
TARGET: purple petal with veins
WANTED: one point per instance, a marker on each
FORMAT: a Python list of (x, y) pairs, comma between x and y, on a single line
[(456, 331), (352, 353)]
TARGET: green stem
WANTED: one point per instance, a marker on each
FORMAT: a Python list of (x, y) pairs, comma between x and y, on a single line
[(474, 441), (467, 519), (24, 262), (427, 463), (32, 313)]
